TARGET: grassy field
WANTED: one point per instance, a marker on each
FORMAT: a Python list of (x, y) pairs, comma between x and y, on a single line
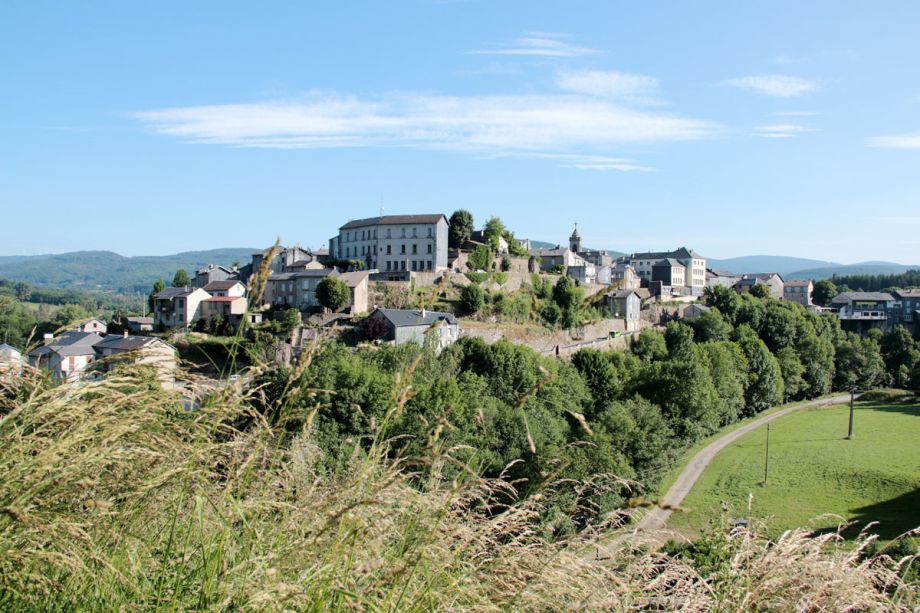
[(815, 473)]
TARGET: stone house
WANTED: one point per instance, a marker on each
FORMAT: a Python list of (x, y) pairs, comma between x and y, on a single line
[(178, 307), (693, 263), (860, 311), (909, 303), (118, 349), (66, 357), (93, 325), (624, 276), (669, 272), (295, 289), (798, 291), (10, 359), (552, 258), (231, 308), (357, 282), (721, 278), (404, 326), (212, 273), (771, 279), (392, 243), (624, 304), (139, 324)]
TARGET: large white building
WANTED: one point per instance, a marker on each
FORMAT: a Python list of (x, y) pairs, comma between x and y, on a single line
[(394, 243), (693, 262)]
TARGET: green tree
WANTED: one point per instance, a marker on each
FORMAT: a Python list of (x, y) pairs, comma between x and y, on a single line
[(710, 326), (333, 293), (728, 369), (567, 294), (68, 314), (793, 372), (649, 346), (493, 230), (506, 263), (291, 320), (761, 291), (472, 298), (600, 374), (859, 364), (158, 286), (180, 279), (461, 228), (816, 353), (481, 258), (824, 292), (678, 336), (764, 387), (900, 354), (726, 300), (16, 322)]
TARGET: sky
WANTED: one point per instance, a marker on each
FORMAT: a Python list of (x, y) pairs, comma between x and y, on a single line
[(732, 128)]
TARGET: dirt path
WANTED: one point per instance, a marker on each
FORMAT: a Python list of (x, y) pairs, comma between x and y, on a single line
[(654, 521)]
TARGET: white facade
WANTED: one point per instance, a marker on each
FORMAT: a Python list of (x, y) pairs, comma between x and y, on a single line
[(394, 243)]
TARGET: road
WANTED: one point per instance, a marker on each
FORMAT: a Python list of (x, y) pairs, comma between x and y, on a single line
[(656, 518)]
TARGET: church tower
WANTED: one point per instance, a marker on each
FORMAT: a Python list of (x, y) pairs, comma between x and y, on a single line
[(575, 240)]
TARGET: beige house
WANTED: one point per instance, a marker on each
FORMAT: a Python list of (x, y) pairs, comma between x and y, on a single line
[(694, 263), (144, 350), (624, 276), (11, 361), (230, 287), (357, 282), (93, 325), (178, 307), (231, 308)]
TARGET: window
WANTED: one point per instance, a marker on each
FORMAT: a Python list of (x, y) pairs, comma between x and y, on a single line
[(414, 232), (402, 249), (389, 233), (414, 249), (389, 249), (375, 232), (403, 232), (429, 248), (430, 233), (388, 265), (429, 264), (402, 265)]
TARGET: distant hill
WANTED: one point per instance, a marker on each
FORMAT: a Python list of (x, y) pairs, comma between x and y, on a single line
[(109, 271), (784, 265), (862, 268), (545, 245)]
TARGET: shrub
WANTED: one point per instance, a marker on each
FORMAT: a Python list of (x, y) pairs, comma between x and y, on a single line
[(478, 277), (500, 277), (333, 293), (472, 298)]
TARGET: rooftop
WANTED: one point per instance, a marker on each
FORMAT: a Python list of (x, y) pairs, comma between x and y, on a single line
[(393, 220), (404, 317), (217, 286), (174, 292), (680, 253), (846, 297)]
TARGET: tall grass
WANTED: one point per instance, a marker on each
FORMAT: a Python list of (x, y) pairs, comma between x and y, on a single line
[(114, 497)]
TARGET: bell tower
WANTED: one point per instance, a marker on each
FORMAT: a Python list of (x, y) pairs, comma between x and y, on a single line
[(575, 240)]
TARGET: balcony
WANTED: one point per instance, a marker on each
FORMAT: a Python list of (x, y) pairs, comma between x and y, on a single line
[(864, 315)]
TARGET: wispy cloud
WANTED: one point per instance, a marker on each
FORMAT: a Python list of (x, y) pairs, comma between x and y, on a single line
[(783, 130), (541, 44), (899, 221), (795, 114), (609, 84), (780, 86), (896, 141), (556, 124)]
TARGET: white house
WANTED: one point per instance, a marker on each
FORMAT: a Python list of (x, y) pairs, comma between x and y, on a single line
[(394, 243)]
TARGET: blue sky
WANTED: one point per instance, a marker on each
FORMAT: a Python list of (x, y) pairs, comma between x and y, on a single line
[(792, 129)]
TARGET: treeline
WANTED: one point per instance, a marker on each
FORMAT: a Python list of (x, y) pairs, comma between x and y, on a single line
[(877, 283), (506, 411)]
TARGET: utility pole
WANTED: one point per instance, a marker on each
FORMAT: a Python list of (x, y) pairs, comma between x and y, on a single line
[(850, 430), (766, 459)]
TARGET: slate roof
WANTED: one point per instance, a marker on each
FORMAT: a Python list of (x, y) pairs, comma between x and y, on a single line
[(353, 279), (310, 272), (766, 275), (750, 281), (173, 292), (217, 286), (720, 273), (4, 348), (392, 220), (669, 262), (70, 344), (141, 320), (680, 253), (797, 283), (548, 252), (403, 317), (623, 293), (223, 299), (907, 293), (126, 343), (847, 297)]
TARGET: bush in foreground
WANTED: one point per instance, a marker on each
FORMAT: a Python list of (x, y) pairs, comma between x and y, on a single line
[(116, 497)]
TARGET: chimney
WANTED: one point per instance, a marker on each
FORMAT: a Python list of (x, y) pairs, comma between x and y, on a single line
[(47, 338), (125, 333), (423, 312)]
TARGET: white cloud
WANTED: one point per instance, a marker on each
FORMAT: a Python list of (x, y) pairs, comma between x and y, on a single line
[(784, 130), (780, 86), (608, 84), (522, 125), (896, 141), (541, 44)]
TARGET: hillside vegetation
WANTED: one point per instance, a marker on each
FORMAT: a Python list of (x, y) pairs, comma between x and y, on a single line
[(116, 498)]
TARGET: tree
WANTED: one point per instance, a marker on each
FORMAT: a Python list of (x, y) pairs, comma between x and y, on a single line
[(566, 294), (859, 364), (158, 286), (291, 320), (68, 314), (16, 322), (710, 326), (333, 293), (824, 292), (600, 375), (506, 263), (761, 291), (472, 298), (793, 373), (764, 387), (900, 354), (679, 338), (649, 346), (493, 230), (727, 301), (461, 228), (180, 279), (480, 258)]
